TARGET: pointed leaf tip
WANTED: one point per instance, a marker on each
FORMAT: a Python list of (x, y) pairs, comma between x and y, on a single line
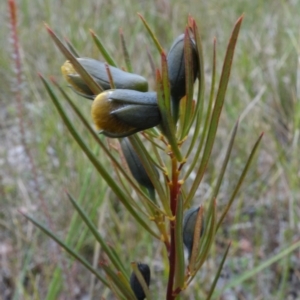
[(48, 28), (191, 21), (53, 80), (240, 20)]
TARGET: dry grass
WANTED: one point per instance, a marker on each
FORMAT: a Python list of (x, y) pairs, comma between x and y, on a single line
[(262, 92)]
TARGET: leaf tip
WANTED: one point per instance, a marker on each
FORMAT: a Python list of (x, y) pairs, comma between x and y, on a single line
[(240, 19), (53, 80), (22, 213), (48, 28)]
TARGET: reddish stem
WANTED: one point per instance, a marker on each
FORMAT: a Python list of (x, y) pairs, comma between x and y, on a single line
[(18, 95), (174, 192), (12, 6)]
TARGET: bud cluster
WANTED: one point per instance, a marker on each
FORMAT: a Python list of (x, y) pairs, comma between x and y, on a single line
[(129, 107), (125, 106)]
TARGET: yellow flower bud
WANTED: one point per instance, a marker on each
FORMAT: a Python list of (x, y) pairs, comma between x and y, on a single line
[(119, 113), (97, 69)]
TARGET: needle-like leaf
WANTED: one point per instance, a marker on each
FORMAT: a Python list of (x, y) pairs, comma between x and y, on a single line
[(93, 85), (217, 109), (241, 179), (94, 160), (68, 249), (125, 52), (108, 58)]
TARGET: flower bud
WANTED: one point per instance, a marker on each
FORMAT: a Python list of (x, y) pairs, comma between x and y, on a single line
[(97, 69), (135, 284), (189, 222), (136, 168), (120, 113), (176, 67)]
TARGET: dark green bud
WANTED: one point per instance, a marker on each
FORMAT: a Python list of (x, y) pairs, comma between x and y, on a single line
[(189, 222), (136, 168), (120, 113), (176, 67), (97, 69), (135, 284)]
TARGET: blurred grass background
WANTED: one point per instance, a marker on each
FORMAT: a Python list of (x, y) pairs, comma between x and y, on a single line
[(263, 92)]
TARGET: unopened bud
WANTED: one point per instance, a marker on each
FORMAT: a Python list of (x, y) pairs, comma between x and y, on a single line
[(97, 69), (135, 284), (189, 223), (120, 113), (176, 67), (135, 165)]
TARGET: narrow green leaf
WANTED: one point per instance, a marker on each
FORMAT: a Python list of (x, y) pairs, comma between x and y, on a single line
[(241, 179), (189, 82), (206, 243), (199, 110), (167, 125), (217, 109), (209, 236), (180, 107), (149, 167), (94, 160), (201, 77), (113, 251), (68, 249), (108, 153), (110, 78), (225, 162), (57, 280), (114, 289), (166, 89), (119, 168), (81, 71), (262, 265), (72, 48), (55, 285), (119, 266), (108, 58), (124, 280), (123, 287), (141, 280), (151, 61), (196, 239), (152, 35), (179, 270), (223, 167), (213, 286), (125, 52)]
